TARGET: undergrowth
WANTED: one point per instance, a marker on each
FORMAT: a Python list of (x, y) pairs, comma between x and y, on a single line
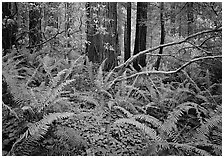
[(68, 108)]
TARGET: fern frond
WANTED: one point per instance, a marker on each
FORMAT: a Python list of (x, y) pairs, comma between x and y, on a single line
[(150, 119), (40, 128), (55, 80), (147, 130), (141, 92), (85, 97), (126, 103), (124, 111), (10, 110), (210, 123), (189, 149), (170, 123), (89, 99), (52, 94), (185, 90), (216, 148)]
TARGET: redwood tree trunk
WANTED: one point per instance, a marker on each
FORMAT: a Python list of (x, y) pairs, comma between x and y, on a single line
[(162, 38), (140, 36), (9, 27), (102, 45), (34, 26), (127, 39), (190, 18)]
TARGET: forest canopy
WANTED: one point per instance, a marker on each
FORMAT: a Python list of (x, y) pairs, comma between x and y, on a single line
[(111, 78)]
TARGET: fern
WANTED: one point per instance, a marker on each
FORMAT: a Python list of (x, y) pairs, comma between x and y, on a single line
[(124, 111), (87, 97), (189, 149), (150, 119), (147, 130), (216, 149), (171, 122), (214, 121), (15, 82), (10, 110), (37, 131)]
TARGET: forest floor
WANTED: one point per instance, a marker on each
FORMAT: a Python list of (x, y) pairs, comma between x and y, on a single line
[(89, 120)]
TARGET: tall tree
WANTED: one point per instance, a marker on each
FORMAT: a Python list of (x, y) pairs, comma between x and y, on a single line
[(190, 18), (162, 37), (34, 24), (102, 33), (127, 39), (120, 29), (140, 35), (173, 18), (9, 27)]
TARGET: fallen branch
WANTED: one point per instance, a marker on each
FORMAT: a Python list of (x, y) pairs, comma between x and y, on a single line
[(168, 55), (165, 72), (199, 48), (131, 59)]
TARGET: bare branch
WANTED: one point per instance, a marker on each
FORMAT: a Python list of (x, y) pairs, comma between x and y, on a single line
[(166, 72), (169, 55), (199, 48), (37, 45), (130, 60)]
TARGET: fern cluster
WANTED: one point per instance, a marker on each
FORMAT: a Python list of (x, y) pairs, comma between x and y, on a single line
[(177, 118)]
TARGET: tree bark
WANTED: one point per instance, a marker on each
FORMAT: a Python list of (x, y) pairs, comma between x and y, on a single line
[(34, 26), (140, 36), (190, 18), (102, 45), (127, 45), (173, 18), (9, 27), (162, 37)]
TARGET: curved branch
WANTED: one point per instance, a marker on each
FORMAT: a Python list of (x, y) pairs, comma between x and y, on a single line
[(199, 48), (130, 60), (168, 55), (166, 72)]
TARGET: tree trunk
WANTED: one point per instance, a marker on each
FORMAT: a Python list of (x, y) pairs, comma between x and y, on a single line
[(173, 18), (140, 36), (190, 18), (162, 38), (9, 27), (34, 26), (149, 38), (102, 45), (127, 45), (120, 31)]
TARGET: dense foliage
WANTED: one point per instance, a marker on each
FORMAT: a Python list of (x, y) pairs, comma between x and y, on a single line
[(56, 105)]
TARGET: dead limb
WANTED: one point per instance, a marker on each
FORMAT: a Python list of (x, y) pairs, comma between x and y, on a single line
[(165, 72), (131, 59)]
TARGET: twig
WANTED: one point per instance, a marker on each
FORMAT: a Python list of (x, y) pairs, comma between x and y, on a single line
[(198, 47), (169, 55), (37, 45)]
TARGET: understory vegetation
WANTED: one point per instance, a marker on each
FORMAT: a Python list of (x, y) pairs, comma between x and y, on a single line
[(79, 109)]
